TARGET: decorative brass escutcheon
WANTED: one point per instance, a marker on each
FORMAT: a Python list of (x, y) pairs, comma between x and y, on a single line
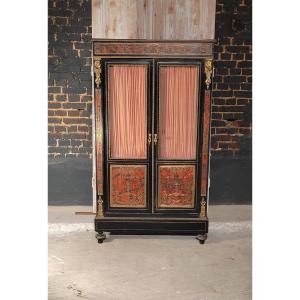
[(149, 138), (155, 139)]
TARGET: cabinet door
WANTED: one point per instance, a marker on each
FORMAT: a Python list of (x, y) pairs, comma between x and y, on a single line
[(177, 129), (127, 150)]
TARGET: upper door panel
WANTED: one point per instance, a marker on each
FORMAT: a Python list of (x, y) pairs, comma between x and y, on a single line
[(178, 111), (127, 111)]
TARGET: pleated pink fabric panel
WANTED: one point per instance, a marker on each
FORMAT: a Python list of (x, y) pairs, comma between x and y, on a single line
[(178, 111), (127, 97)]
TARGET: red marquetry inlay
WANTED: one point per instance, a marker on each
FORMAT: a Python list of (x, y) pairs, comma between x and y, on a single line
[(176, 186), (127, 186)]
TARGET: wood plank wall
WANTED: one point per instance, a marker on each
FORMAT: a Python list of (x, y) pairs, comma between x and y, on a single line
[(153, 19)]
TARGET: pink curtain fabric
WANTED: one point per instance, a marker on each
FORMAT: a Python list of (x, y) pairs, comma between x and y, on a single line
[(178, 111), (127, 97)]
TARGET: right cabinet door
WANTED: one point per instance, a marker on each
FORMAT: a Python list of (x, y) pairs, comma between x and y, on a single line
[(177, 136)]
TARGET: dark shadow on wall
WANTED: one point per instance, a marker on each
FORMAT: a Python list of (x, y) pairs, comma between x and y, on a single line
[(231, 181), (231, 175), (70, 181)]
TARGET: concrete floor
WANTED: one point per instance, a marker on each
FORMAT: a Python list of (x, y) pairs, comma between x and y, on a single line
[(150, 267)]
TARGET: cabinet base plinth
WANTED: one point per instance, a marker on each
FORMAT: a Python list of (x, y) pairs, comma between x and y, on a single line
[(179, 226)]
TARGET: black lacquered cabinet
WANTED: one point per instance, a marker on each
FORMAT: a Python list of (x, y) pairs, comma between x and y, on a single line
[(152, 107)]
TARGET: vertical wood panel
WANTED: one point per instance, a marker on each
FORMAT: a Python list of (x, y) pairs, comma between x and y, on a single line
[(207, 12), (153, 19), (144, 19), (96, 18), (157, 19)]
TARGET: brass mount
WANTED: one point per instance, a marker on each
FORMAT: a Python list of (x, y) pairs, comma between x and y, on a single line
[(208, 71), (97, 71), (202, 208), (100, 207)]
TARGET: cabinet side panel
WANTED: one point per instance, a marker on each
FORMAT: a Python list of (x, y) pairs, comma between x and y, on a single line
[(205, 143), (99, 141)]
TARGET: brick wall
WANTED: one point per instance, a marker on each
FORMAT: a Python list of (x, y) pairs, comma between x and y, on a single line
[(232, 90), (70, 81)]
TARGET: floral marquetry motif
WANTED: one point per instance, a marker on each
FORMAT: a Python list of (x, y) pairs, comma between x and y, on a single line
[(176, 187), (128, 186)]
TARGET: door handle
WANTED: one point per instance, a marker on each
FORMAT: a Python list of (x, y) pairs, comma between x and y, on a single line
[(155, 139), (149, 138)]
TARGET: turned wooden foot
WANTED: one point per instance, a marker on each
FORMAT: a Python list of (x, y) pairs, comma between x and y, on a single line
[(201, 238)]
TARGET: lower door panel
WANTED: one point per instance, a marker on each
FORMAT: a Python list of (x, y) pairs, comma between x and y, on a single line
[(176, 186), (128, 186)]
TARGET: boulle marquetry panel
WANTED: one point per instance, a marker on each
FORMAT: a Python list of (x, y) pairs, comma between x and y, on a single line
[(176, 186), (128, 186)]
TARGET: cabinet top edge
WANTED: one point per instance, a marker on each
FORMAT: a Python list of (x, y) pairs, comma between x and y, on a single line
[(144, 41), (146, 48)]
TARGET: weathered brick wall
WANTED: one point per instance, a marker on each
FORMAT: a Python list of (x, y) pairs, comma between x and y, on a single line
[(232, 90), (70, 81)]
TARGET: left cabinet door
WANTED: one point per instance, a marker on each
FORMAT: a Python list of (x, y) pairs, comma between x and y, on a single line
[(127, 145)]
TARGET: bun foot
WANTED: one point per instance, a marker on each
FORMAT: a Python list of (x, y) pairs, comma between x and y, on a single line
[(201, 238), (100, 237)]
